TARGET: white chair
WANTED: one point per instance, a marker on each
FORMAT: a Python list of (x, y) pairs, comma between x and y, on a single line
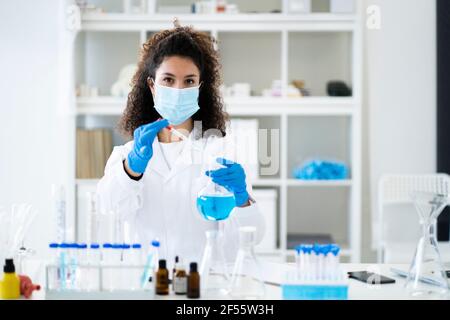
[(394, 191)]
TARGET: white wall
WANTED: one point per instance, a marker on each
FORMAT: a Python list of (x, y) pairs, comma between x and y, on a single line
[(33, 116), (400, 116)]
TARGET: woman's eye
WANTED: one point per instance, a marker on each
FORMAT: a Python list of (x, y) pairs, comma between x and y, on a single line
[(168, 80), (190, 81)]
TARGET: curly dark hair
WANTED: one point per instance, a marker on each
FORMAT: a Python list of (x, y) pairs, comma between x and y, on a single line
[(185, 42)]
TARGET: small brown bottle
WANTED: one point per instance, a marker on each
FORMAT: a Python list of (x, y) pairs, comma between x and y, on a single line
[(193, 286), (162, 279)]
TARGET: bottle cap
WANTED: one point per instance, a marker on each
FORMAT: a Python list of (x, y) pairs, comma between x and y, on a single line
[(162, 264), (193, 267), (9, 266), (155, 243)]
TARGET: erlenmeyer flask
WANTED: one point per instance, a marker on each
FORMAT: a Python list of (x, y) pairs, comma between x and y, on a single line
[(246, 279), (213, 268), (214, 201), (427, 264)]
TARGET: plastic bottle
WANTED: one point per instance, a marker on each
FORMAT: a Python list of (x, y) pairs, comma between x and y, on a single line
[(10, 285)]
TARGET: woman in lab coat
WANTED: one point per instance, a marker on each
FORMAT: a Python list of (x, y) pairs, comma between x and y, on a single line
[(152, 182)]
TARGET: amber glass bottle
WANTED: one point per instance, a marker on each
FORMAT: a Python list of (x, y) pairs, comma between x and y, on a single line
[(162, 279), (193, 288)]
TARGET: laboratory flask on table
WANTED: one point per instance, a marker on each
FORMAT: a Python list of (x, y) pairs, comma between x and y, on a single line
[(427, 263), (246, 279), (213, 269), (214, 201)]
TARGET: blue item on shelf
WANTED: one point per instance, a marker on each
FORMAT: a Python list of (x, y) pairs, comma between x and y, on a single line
[(321, 170)]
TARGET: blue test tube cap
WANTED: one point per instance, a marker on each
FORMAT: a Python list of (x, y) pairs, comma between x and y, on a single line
[(136, 246), (82, 246), (307, 248), (73, 245), (64, 245), (94, 246), (53, 245), (299, 249), (317, 249), (126, 246), (107, 245), (155, 243), (335, 249), (116, 246), (326, 249)]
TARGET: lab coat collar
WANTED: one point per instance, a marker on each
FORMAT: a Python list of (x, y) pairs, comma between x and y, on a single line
[(184, 161)]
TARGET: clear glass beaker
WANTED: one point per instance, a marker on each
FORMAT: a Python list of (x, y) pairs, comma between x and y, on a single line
[(427, 274), (246, 279), (213, 269)]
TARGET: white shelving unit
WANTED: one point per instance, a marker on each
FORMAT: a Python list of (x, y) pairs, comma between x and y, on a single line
[(281, 111)]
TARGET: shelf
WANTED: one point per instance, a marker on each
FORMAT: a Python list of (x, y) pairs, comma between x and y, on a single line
[(252, 106), (222, 22), (319, 183), (266, 183)]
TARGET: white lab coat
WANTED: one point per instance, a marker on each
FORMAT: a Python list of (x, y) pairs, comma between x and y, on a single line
[(163, 203)]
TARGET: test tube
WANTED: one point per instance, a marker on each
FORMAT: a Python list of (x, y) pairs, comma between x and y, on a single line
[(125, 270), (107, 261), (72, 268), (94, 260), (63, 265), (116, 259), (136, 260), (54, 270), (81, 271)]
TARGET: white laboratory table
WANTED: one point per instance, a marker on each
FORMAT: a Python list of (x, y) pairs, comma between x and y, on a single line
[(357, 290)]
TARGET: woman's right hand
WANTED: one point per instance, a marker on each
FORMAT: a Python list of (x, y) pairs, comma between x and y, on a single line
[(142, 151)]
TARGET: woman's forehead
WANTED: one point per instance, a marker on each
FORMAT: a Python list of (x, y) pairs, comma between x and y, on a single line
[(178, 66)]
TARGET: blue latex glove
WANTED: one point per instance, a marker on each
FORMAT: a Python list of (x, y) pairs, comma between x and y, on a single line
[(232, 177), (142, 152)]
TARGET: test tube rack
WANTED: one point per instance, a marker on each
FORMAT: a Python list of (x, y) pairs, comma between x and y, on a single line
[(93, 287)]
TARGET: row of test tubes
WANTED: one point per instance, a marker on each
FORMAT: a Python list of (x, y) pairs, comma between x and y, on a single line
[(93, 267), (318, 262)]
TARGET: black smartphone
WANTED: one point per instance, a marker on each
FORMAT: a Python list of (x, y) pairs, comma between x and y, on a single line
[(370, 277)]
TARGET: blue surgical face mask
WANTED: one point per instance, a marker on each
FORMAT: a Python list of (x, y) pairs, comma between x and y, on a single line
[(176, 105)]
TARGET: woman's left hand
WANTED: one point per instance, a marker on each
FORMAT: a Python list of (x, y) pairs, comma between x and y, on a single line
[(232, 177)]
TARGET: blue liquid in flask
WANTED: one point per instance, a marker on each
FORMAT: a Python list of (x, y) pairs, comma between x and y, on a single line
[(215, 207)]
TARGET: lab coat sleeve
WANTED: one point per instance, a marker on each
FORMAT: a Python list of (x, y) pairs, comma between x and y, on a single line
[(116, 191)]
